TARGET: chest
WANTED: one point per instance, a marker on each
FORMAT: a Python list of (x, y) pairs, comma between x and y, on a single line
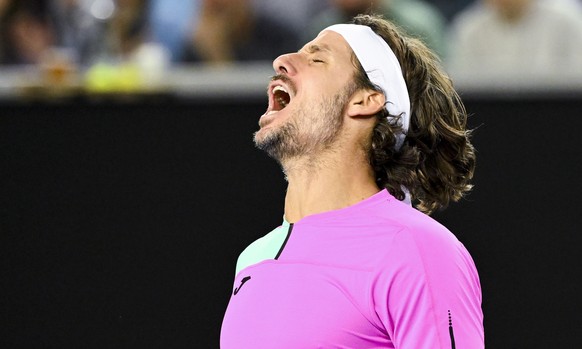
[(294, 305)]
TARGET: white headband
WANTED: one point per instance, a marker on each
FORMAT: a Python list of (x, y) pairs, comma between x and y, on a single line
[(382, 68)]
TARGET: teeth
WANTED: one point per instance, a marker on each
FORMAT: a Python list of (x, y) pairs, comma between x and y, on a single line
[(280, 88)]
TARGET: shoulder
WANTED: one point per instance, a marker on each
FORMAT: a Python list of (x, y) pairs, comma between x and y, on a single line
[(412, 223), (261, 249), (426, 274), (419, 243), (398, 234), (427, 231)]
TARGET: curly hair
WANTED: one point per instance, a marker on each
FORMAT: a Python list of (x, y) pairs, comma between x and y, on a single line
[(437, 160)]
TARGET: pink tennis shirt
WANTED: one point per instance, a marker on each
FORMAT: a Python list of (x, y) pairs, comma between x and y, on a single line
[(378, 274)]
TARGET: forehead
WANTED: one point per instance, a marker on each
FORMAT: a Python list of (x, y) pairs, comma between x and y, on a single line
[(331, 43)]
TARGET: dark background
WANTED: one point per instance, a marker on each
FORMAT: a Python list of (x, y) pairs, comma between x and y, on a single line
[(121, 220)]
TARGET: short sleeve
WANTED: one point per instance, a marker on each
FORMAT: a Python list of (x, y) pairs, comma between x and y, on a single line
[(426, 293)]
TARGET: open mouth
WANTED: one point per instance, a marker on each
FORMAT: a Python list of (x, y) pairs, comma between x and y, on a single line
[(281, 98)]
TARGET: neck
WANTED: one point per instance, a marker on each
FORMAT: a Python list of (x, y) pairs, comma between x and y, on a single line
[(335, 180)]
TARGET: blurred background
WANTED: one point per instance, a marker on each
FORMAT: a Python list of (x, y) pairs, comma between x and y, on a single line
[(129, 183)]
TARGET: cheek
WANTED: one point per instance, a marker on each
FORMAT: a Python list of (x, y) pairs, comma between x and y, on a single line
[(335, 85)]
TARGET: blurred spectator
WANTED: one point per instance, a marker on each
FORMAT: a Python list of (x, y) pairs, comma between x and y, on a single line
[(230, 31), (127, 29), (419, 18), (129, 60), (450, 8), (25, 31), (89, 30), (4, 4), (171, 22), (100, 30), (296, 14), (81, 26), (516, 39)]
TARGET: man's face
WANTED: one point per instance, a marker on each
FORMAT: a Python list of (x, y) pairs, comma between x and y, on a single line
[(510, 9), (307, 99)]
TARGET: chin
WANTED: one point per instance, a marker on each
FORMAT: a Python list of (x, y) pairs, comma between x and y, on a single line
[(272, 142), (262, 135)]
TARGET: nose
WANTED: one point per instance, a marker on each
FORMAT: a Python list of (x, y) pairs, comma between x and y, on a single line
[(285, 64)]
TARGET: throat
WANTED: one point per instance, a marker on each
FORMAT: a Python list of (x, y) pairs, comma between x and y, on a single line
[(327, 189)]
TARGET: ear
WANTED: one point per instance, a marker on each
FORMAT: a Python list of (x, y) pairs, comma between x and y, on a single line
[(366, 103)]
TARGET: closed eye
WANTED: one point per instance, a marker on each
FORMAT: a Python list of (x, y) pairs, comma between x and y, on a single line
[(315, 60)]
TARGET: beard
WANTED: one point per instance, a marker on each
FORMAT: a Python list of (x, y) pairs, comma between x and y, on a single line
[(308, 131)]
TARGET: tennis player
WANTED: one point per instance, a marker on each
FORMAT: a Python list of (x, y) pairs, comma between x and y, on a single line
[(372, 138)]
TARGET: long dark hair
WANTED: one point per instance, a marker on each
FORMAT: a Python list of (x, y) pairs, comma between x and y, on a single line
[(437, 160)]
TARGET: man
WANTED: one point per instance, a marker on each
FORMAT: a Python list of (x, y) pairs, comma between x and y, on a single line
[(504, 43), (362, 120)]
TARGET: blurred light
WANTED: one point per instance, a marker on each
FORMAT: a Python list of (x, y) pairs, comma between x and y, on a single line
[(102, 9)]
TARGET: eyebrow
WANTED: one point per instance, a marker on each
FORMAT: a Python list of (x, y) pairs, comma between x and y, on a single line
[(313, 48)]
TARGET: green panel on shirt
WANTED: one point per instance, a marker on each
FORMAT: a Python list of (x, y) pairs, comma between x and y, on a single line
[(263, 248)]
